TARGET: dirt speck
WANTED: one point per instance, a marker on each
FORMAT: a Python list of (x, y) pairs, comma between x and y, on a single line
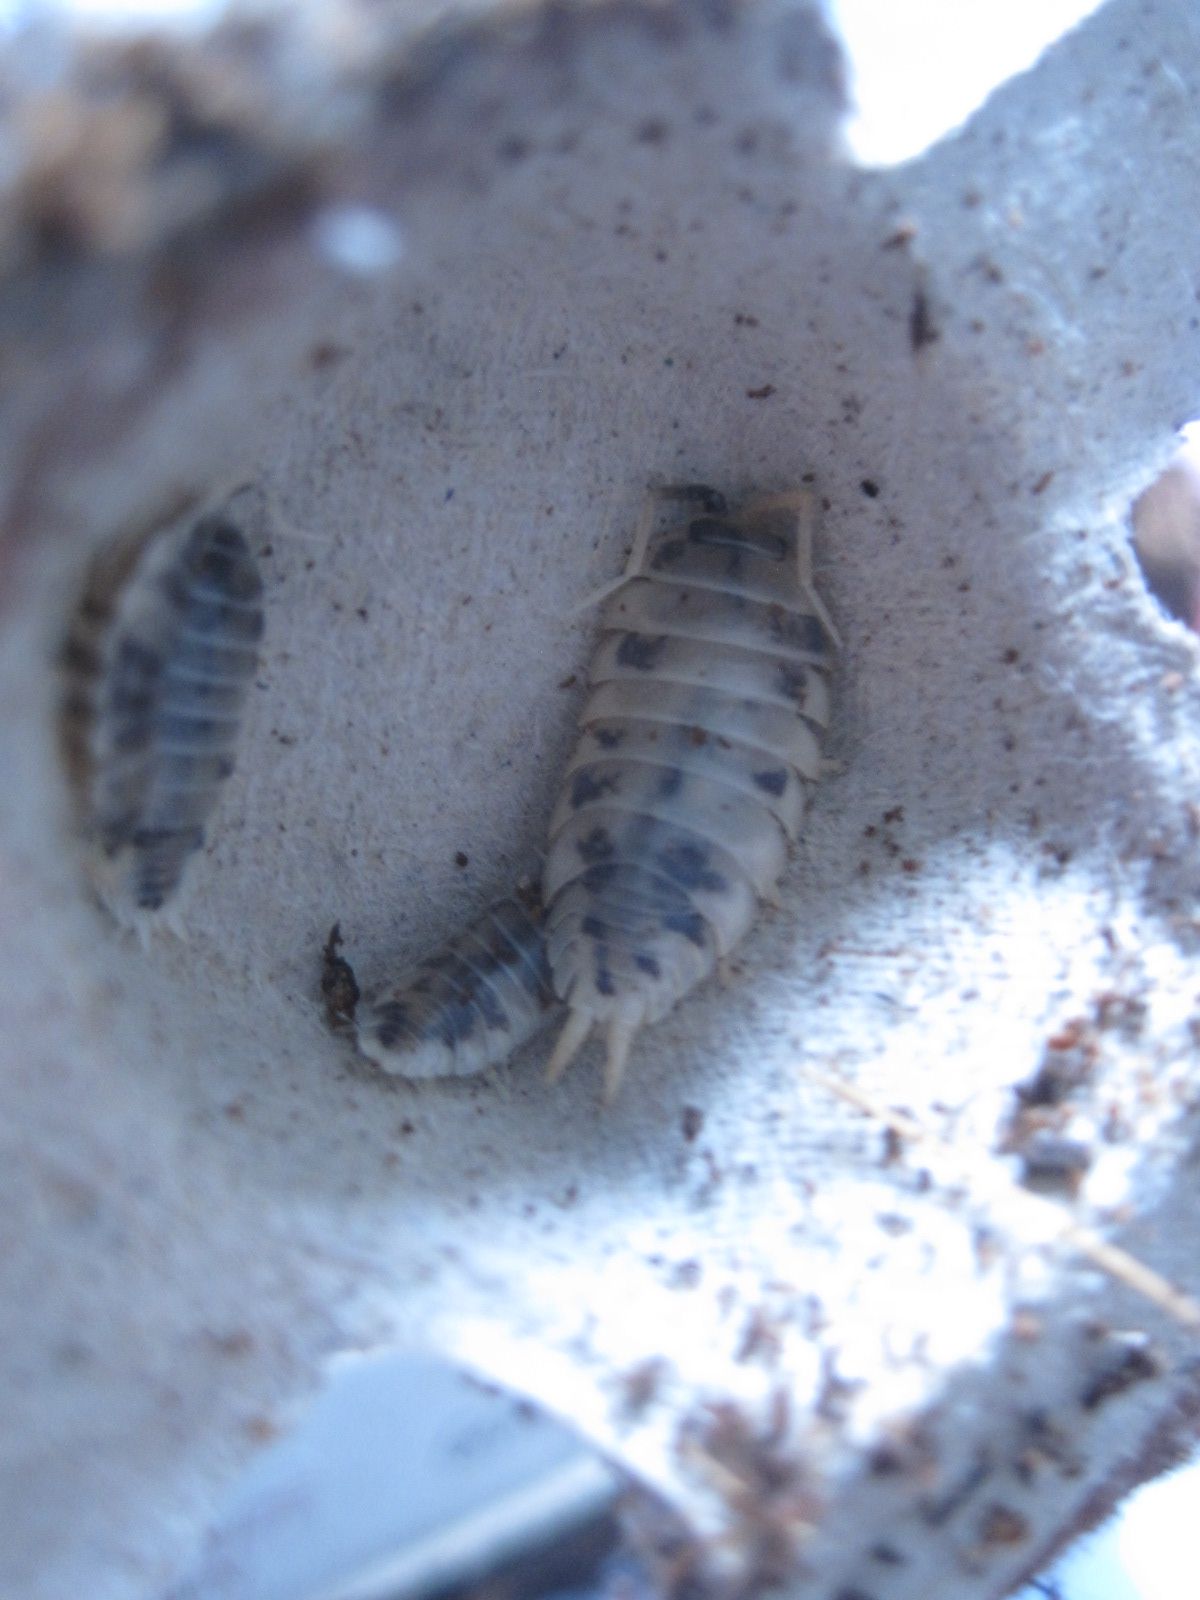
[(691, 1121)]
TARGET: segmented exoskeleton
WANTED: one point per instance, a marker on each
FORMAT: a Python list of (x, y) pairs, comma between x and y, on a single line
[(158, 659), (470, 1004), (699, 747)]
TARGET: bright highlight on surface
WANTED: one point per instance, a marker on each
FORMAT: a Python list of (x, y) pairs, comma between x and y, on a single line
[(114, 15), (357, 239), (921, 68)]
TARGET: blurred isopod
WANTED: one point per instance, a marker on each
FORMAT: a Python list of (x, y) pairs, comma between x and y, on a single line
[(158, 658), (471, 1004)]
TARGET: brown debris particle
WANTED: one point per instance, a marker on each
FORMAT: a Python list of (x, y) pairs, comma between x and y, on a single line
[(764, 1481), (904, 235), (641, 1384), (1054, 1165), (760, 1337), (326, 353), (339, 988), (922, 330)]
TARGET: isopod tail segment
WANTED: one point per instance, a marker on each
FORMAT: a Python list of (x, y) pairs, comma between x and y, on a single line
[(622, 1028)]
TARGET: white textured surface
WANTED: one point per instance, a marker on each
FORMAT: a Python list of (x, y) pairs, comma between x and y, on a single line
[(641, 232)]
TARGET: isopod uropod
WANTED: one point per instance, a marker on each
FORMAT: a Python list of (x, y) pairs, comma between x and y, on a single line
[(160, 653), (698, 748), (471, 1004)]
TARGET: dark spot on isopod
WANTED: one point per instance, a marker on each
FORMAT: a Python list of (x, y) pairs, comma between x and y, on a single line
[(609, 738), (690, 924), (599, 877), (136, 700), (138, 659), (218, 553), (937, 1509), (670, 783), (640, 651), (1135, 1363), (648, 965), (772, 781), (803, 633), (586, 787), (391, 1023), (513, 147), (457, 1018), (887, 1555), (869, 488), (688, 865), (792, 681), (653, 131), (668, 553), (595, 846), (485, 999)]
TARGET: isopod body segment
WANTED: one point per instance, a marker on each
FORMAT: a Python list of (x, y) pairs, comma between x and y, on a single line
[(468, 1006), (157, 662), (699, 746)]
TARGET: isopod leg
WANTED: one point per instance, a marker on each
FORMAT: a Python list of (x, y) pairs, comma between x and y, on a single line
[(621, 1030), (570, 1042)]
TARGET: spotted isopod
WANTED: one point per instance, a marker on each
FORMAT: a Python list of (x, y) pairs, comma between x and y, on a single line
[(470, 1004), (157, 661), (698, 749)]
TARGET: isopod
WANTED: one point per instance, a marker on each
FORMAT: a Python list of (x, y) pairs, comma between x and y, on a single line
[(471, 1004), (699, 747), (158, 658)]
